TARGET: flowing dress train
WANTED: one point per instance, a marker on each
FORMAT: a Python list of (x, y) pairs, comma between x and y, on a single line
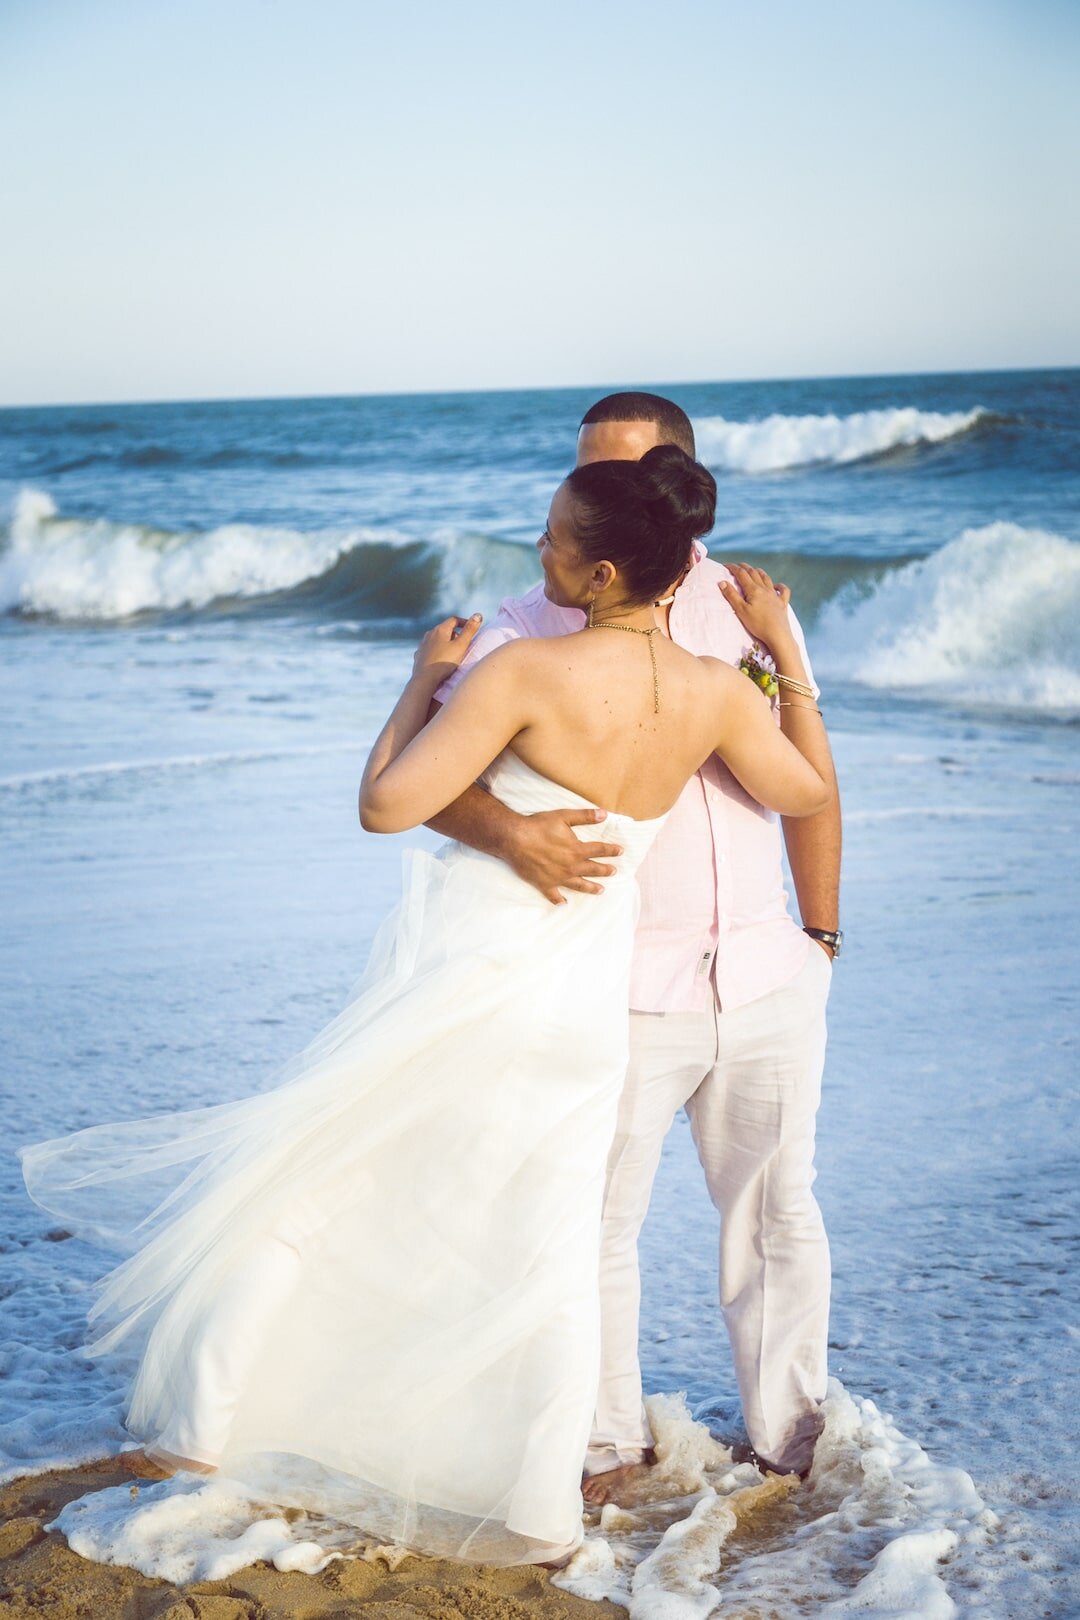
[(371, 1291)]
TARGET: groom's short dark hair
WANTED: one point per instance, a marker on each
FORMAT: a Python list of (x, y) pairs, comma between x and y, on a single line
[(672, 423)]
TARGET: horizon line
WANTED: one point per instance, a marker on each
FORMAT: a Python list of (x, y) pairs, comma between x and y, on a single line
[(549, 388)]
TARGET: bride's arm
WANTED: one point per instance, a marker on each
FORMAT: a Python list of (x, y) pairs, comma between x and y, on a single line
[(763, 608), (416, 769), (788, 770)]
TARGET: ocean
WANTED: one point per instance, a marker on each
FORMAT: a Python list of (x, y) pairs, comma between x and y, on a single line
[(206, 611)]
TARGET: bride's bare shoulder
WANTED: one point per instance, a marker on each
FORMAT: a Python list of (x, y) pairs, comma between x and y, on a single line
[(721, 675), (524, 659), (534, 652), (519, 652)]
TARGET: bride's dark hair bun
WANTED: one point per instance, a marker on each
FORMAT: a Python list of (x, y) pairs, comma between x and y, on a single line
[(678, 490), (643, 516)]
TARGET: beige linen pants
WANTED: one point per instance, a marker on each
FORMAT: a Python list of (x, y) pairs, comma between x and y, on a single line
[(750, 1081)]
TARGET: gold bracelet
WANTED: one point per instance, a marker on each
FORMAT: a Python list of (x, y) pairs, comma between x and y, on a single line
[(796, 686), (809, 707)]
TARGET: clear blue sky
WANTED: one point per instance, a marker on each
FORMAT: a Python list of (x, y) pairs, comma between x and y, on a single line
[(205, 198)]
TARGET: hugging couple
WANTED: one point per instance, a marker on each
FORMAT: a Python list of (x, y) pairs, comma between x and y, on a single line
[(400, 1288)]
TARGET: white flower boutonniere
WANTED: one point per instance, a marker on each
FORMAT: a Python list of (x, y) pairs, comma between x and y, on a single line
[(758, 664)]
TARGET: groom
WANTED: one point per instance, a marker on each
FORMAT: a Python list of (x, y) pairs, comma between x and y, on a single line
[(727, 1020)]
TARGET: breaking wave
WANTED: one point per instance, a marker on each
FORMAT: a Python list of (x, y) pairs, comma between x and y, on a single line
[(781, 442), (95, 570), (993, 618)]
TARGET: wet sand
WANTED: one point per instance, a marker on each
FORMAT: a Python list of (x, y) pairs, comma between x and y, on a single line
[(40, 1576)]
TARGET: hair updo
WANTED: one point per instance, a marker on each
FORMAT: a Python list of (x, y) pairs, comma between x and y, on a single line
[(643, 516)]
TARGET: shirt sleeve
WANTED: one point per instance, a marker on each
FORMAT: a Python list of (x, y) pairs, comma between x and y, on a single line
[(496, 634)]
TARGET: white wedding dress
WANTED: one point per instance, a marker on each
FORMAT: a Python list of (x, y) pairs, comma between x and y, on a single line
[(372, 1291)]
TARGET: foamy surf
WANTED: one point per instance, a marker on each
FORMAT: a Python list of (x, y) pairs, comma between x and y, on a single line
[(779, 442), (77, 569), (73, 777), (183, 1530), (868, 1533), (993, 618), (99, 571), (874, 1531)]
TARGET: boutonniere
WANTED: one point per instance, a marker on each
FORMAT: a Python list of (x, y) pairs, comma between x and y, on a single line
[(758, 664)]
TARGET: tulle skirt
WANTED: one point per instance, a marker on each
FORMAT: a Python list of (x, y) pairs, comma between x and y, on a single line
[(371, 1291)]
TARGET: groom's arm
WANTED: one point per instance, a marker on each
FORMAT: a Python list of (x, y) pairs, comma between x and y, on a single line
[(813, 842), (813, 849), (542, 849)]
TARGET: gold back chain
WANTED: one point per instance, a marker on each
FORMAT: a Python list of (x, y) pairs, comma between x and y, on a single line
[(636, 630)]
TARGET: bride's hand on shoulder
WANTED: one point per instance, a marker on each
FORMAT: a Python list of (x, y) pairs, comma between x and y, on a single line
[(444, 647), (760, 605)]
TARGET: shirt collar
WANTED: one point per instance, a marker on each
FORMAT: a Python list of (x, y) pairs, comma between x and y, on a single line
[(698, 555)]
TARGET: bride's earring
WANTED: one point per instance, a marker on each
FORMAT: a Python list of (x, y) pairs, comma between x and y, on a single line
[(588, 617)]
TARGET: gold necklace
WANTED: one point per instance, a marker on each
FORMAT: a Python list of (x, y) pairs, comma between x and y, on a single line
[(635, 630)]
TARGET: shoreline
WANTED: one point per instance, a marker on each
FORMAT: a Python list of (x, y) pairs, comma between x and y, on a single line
[(39, 1575)]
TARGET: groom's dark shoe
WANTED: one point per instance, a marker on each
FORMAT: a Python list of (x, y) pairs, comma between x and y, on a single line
[(722, 1418), (743, 1452)]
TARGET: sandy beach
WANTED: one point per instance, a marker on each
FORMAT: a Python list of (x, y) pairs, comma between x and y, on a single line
[(40, 1575)]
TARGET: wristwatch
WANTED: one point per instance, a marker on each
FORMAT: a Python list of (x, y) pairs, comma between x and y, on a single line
[(827, 937)]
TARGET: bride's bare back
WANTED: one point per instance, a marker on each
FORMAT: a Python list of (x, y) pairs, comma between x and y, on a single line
[(597, 730), (580, 710)]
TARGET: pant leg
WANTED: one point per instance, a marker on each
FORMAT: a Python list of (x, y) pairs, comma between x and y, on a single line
[(753, 1120), (669, 1055)]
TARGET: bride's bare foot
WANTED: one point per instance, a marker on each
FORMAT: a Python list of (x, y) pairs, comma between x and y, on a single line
[(144, 1467), (616, 1484), (559, 1560)]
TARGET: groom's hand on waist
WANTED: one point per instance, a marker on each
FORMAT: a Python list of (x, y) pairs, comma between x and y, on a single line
[(544, 850)]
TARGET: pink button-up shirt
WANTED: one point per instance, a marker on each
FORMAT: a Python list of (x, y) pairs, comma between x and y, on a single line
[(714, 915)]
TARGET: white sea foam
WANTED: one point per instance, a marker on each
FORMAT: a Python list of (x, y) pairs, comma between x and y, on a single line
[(75, 774), (673, 1582), (184, 1529), (77, 569), (98, 570), (867, 1534), (778, 442), (991, 618)]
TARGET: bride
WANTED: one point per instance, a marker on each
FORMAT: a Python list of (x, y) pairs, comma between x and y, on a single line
[(371, 1291)]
